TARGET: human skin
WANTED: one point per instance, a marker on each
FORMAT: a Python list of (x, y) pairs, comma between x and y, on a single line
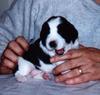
[(10, 55), (85, 58), (98, 1)]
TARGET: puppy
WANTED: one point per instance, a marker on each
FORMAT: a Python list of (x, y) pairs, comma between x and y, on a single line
[(57, 36)]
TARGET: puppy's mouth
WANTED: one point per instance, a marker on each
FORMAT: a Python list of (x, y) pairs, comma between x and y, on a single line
[(60, 51)]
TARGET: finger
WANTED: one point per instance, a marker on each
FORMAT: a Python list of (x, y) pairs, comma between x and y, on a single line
[(22, 42), (73, 73), (7, 63), (81, 46), (86, 68), (95, 71), (68, 65), (70, 74), (5, 70), (71, 54), (80, 79), (16, 48), (9, 54)]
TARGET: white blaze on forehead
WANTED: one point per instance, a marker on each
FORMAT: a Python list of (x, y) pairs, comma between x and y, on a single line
[(54, 35), (53, 24)]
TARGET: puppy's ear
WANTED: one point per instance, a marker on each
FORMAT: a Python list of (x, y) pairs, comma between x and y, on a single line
[(45, 30), (44, 33), (67, 31), (73, 33)]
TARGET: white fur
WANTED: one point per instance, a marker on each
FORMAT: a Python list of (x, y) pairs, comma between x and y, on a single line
[(61, 43), (25, 67), (46, 67), (54, 35), (66, 47), (26, 70)]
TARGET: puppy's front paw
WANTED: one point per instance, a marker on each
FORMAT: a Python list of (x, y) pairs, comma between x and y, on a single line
[(20, 77), (37, 74), (46, 76)]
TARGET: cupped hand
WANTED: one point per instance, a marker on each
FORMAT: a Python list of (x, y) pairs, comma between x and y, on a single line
[(10, 56)]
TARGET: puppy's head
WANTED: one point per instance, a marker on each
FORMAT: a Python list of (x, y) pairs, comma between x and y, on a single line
[(58, 36)]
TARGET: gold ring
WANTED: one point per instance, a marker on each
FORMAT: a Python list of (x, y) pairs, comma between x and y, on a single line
[(80, 71)]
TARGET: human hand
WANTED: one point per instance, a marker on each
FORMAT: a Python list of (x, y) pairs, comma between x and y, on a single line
[(97, 1), (83, 63), (10, 56)]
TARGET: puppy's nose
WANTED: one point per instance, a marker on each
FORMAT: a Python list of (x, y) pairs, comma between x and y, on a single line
[(53, 44)]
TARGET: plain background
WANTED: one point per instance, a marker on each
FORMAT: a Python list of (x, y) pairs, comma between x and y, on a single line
[(4, 4)]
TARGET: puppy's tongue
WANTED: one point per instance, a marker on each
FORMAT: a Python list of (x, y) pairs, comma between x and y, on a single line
[(60, 51)]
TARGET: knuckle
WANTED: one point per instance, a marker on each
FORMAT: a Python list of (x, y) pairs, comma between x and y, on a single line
[(7, 51), (15, 47), (19, 38), (11, 44), (10, 55), (22, 42), (56, 70)]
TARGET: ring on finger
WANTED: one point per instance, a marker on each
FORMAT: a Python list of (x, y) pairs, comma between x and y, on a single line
[(80, 71)]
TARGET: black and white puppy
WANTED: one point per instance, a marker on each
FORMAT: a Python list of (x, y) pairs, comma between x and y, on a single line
[(56, 38)]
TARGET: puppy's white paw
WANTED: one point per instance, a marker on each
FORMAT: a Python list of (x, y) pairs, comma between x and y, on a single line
[(24, 66), (46, 76), (37, 74), (20, 77), (24, 69)]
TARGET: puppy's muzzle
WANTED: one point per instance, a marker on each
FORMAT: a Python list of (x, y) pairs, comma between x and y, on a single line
[(53, 45)]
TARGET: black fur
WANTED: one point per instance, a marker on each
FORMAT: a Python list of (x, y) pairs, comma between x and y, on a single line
[(35, 53), (67, 30), (44, 33)]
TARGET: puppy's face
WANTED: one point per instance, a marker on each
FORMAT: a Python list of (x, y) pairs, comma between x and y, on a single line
[(58, 36)]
